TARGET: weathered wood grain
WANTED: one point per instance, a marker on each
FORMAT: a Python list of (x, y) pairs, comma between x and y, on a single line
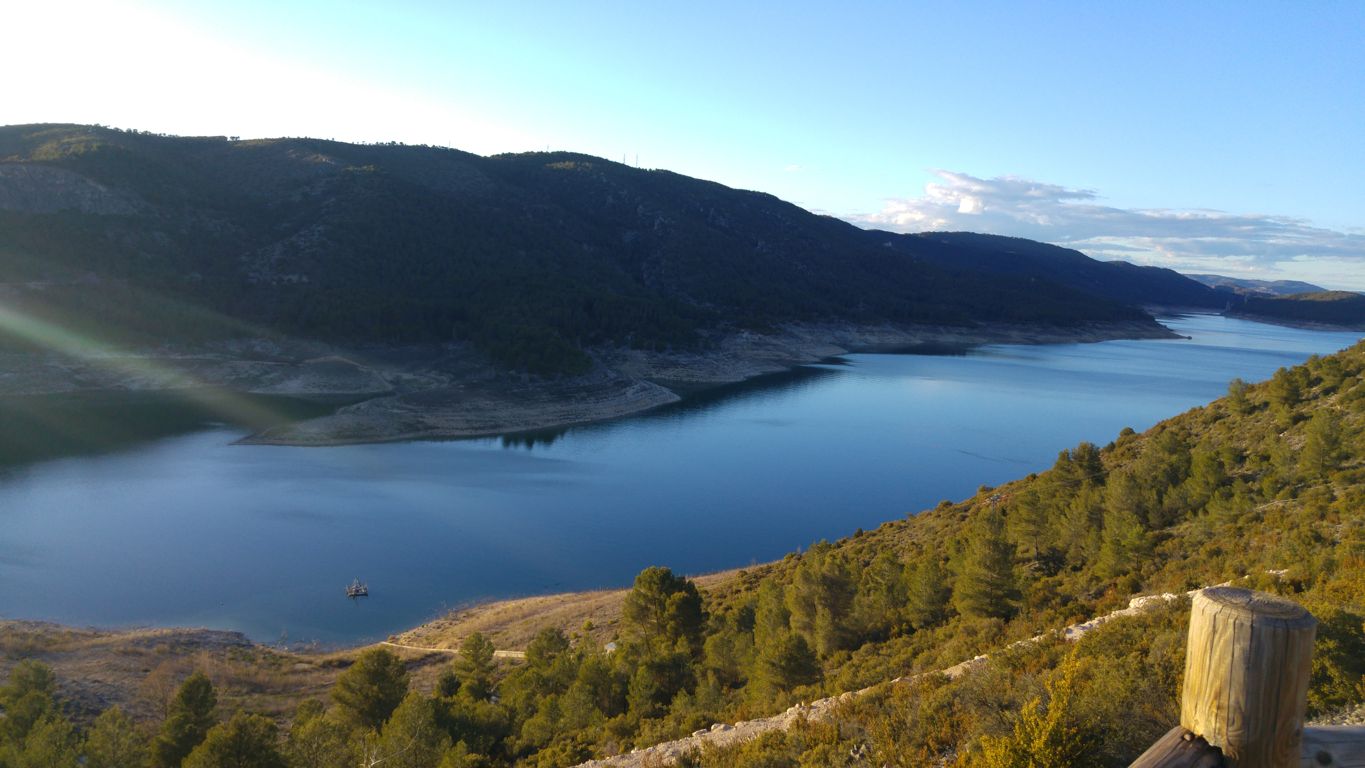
[(1340, 746), (1246, 675), (1180, 749)]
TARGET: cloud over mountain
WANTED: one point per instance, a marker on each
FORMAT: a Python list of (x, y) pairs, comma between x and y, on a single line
[(1192, 240)]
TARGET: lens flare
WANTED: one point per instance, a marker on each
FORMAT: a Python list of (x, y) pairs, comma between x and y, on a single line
[(132, 370)]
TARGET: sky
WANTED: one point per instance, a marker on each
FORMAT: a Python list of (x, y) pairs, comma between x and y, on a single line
[(1222, 137)]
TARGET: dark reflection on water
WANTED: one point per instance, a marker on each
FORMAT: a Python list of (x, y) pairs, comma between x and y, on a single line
[(195, 530), (699, 401), (532, 438), (38, 427)]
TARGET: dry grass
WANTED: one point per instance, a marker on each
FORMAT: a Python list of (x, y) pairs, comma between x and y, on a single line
[(511, 624), (140, 669)]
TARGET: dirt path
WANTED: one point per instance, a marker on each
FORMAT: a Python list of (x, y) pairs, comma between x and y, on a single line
[(519, 655)]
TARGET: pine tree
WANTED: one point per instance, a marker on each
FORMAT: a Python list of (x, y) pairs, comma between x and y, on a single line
[(114, 742), (606, 688), (475, 666), (1285, 388), (879, 606), (546, 648), (27, 677), (985, 583), (51, 743), (371, 689), (245, 741), (190, 717), (787, 663), (771, 617), (1125, 493), (928, 595), (663, 610), (412, 736), (1122, 543), (1081, 525), (727, 654), (820, 599), (1237, 398), (26, 698), (1207, 475), (1286, 391), (1089, 465), (541, 727), (1028, 522), (1322, 445), (320, 741), (642, 698)]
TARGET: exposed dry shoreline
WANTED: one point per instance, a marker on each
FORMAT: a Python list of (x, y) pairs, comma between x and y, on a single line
[(448, 391), (626, 382)]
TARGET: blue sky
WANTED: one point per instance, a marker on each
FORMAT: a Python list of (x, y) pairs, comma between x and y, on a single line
[(1222, 137)]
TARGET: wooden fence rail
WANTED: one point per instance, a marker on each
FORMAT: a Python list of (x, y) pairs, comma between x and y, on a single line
[(1246, 688)]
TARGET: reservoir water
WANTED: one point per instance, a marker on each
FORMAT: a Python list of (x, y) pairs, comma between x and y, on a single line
[(192, 530)]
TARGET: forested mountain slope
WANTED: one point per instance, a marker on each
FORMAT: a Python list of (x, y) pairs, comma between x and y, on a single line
[(1250, 287), (1340, 309), (1117, 280), (533, 257), (1265, 486)]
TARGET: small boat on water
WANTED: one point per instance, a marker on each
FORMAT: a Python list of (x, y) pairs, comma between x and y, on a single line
[(357, 589)]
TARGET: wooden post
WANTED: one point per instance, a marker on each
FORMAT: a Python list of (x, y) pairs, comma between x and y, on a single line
[(1246, 675)]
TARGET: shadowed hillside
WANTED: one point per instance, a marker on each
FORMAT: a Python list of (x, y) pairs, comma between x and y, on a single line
[(532, 257), (1333, 308), (1116, 280)]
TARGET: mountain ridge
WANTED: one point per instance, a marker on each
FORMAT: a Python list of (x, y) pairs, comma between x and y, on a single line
[(1251, 287), (481, 295), (532, 257), (1329, 309)]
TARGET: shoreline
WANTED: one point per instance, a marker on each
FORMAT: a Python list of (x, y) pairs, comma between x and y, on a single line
[(1305, 325), (630, 382), (449, 391), (511, 622), (101, 666)]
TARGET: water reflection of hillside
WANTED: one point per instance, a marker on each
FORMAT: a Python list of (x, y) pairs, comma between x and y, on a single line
[(41, 427), (773, 385)]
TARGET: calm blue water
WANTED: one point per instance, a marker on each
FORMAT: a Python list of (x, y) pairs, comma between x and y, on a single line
[(193, 530)]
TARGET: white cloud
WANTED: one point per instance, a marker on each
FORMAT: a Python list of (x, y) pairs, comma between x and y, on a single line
[(1251, 245)]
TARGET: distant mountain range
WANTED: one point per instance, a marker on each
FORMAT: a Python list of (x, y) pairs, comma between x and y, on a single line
[(532, 257), (1249, 287)]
